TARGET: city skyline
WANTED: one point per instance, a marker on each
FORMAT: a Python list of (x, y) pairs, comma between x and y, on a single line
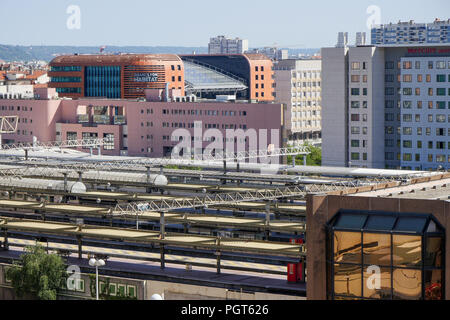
[(263, 25)]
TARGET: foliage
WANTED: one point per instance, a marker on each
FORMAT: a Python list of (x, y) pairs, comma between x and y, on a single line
[(312, 159), (38, 274), (105, 293)]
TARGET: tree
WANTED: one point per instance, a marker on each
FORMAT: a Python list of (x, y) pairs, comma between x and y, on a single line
[(38, 274), (314, 158)]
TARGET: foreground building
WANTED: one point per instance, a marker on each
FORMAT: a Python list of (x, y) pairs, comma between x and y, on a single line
[(386, 243), (387, 106), (297, 84)]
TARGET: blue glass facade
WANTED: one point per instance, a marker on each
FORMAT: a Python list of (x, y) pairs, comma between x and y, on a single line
[(103, 82)]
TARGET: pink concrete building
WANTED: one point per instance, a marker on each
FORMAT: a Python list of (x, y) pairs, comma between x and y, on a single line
[(140, 128)]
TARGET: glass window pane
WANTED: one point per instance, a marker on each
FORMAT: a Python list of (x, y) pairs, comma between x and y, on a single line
[(407, 284), (407, 250), (377, 249), (433, 284), (380, 223), (374, 289), (347, 247), (410, 224), (347, 280), (351, 221), (433, 253)]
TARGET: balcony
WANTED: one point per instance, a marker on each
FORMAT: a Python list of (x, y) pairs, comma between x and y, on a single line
[(83, 118), (120, 120), (101, 119)]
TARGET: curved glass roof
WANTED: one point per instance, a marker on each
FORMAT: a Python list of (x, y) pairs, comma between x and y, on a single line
[(201, 78)]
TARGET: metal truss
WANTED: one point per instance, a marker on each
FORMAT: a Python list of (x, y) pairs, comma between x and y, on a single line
[(82, 143), (137, 208), (8, 124), (206, 201)]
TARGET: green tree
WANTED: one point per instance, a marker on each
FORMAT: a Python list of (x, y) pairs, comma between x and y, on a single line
[(314, 158), (38, 274)]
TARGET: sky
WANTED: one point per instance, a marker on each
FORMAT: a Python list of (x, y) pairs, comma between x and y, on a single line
[(190, 23)]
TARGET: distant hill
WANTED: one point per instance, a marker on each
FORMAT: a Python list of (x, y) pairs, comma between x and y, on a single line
[(47, 53)]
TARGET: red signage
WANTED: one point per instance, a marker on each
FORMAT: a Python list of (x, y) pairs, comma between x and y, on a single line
[(428, 50)]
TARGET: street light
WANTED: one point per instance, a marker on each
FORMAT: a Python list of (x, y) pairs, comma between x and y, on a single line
[(93, 262)]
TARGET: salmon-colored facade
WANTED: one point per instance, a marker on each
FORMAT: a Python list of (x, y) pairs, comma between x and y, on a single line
[(70, 74), (145, 128)]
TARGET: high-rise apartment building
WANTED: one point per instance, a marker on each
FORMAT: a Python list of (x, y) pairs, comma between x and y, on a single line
[(403, 33), (298, 85), (224, 45), (386, 106)]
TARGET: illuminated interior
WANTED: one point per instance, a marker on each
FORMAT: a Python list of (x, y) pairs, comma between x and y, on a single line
[(380, 255)]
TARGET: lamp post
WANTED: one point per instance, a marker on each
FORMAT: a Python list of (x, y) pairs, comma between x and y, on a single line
[(93, 262)]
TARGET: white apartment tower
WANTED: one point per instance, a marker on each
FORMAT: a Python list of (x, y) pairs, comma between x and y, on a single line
[(224, 45), (298, 85)]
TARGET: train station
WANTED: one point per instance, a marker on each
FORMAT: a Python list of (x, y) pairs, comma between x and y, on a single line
[(210, 229)]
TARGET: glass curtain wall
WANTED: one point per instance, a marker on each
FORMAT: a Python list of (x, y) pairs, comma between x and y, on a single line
[(377, 255)]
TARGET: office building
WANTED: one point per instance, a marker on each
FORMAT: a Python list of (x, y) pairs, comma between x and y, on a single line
[(224, 45), (247, 76), (298, 85), (386, 106), (127, 76), (137, 128), (121, 76)]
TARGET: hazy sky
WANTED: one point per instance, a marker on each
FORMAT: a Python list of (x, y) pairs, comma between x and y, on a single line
[(287, 23)]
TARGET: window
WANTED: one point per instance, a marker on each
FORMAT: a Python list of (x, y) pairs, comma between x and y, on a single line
[(355, 156), (355, 143), (356, 66), (355, 130), (359, 240), (407, 65), (355, 91), (440, 78), (407, 91), (355, 117), (355, 104), (440, 91), (355, 78)]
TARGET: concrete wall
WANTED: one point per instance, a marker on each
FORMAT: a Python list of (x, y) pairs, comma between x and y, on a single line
[(334, 107)]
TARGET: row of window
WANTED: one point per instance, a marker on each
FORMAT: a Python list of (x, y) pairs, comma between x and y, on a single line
[(417, 65), (419, 130), (19, 108), (193, 125), (440, 158), (417, 91), (419, 78), (430, 64), (66, 68), (68, 90), (66, 79), (407, 104), (440, 145), (439, 118), (201, 112)]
